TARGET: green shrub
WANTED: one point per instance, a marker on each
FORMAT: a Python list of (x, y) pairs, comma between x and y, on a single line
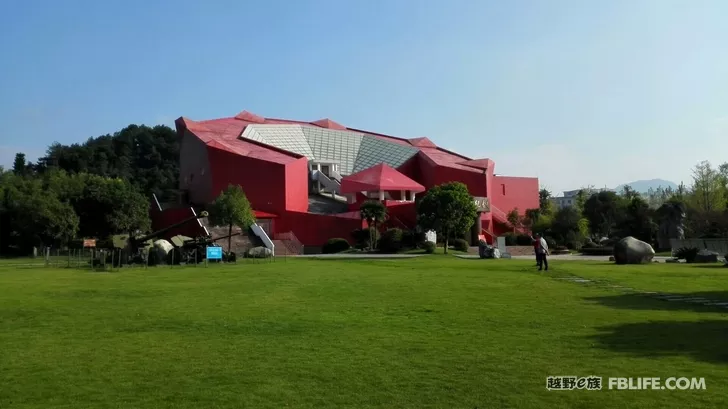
[(391, 241), (429, 247), (597, 251), (362, 238), (336, 245), (574, 240), (420, 238), (408, 239), (687, 253), (460, 245), (523, 240), (510, 239)]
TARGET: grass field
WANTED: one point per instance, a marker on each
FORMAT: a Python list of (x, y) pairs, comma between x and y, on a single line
[(433, 332)]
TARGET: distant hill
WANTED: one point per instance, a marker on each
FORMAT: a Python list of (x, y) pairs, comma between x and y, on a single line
[(643, 186)]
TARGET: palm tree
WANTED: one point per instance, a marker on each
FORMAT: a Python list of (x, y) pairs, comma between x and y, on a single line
[(374, 212)]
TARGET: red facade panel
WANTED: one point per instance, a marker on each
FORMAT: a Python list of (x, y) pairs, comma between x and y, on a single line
[(515, 192), (296, 185), (315, 229), (263, 182), (194, 170)]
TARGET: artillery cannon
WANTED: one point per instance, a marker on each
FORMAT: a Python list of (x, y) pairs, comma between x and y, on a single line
[(194, 250), (137, 249)]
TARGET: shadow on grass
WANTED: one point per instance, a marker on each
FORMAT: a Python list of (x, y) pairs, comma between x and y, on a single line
[(700, 340), (642, 302)]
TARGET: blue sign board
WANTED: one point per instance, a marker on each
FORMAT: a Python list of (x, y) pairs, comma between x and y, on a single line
[(214, 253)]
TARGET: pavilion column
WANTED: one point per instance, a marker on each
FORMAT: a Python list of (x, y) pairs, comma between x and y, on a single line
[(381, 195), (412, 196), (402, 195), (475, 231)]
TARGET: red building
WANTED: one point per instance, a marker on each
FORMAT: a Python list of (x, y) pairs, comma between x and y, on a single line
[(308, 178)]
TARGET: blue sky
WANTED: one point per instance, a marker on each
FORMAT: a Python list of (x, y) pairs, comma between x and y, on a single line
[(574, 92)]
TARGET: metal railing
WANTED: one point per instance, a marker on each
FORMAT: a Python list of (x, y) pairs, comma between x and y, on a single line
[(291, 242), (498, 213), (332, 186)]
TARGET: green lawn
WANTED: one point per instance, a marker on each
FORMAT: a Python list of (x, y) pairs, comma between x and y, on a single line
[(433, 332)]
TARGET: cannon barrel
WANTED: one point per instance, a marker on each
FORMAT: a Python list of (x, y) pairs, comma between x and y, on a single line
[(161, 231), (226, 236)]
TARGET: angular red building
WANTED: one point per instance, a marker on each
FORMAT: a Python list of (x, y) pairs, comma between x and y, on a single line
[(307, 179)]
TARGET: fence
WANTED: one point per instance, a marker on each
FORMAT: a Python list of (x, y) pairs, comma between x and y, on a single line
[(114, 259), (720, 246)]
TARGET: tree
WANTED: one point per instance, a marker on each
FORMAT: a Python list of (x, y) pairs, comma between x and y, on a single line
[(708, 190), (232, 208), (581, 197), (602, 210), (657, 197), (130, 212), (629, 193), (544, 201), (542, 225), (374, 212), (33, 217), (515, 219), (19, 165), (567, 227), (530, 218), (638, 220), (448, 209), (148, 157)]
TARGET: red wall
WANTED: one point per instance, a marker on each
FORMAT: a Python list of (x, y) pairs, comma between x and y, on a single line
[(433, 175), (167, 217), (297, 185), (194, 172), (262, 181), (315, 229), (521, 193), (406, 213), (411, 168)]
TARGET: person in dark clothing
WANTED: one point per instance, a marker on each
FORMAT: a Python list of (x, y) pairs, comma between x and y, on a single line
[(536, 244), (542, 253)]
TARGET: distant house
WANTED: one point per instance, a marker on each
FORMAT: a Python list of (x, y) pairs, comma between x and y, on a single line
[(569, 197)]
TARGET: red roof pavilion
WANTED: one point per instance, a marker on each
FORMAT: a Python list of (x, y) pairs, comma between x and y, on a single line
[(380, 177)]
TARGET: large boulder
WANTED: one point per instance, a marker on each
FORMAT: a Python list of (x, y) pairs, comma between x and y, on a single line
[(159, 253), (632, 251), (260, 252), (706, 256)]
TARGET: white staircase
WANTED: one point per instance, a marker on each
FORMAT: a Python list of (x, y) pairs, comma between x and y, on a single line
[(326, 183)]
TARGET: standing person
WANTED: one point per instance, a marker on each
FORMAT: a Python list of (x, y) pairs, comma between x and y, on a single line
[(543, 252), (536, 242)]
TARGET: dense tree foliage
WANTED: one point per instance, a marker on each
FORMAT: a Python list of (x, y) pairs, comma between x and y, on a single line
[(448, 209), (90, 190), (596, 215), (53, 208), (232, 208), (148, 157)]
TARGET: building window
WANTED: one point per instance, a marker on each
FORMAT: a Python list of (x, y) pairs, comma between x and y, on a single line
[(503, 186)]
